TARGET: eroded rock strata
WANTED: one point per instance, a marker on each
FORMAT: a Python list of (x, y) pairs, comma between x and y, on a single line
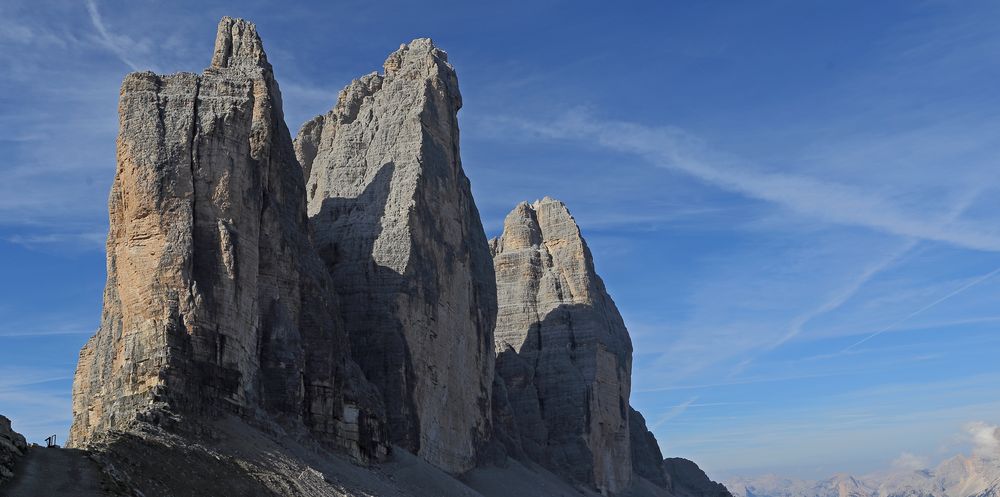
[(215, 299), (393, 218), (268, 301), (562, 349)]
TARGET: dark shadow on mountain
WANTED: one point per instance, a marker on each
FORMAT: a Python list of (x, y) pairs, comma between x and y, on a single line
[(545, 417), (344, 233), (687, 478)]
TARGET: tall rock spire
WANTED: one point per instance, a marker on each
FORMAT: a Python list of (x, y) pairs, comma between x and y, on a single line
[(393, 218), (215, 299), (563, 352)]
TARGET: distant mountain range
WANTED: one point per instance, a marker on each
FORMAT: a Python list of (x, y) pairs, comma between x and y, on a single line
[(960, 476)]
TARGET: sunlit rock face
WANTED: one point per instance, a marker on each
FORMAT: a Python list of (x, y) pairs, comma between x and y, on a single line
[(393, 218), (563, 352), (215, 299)]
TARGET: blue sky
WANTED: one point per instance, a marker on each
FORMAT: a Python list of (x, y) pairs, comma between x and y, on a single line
[(794, 203)]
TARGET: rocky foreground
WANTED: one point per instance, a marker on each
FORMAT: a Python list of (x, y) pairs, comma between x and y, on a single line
[(325, 316), (12, 447)]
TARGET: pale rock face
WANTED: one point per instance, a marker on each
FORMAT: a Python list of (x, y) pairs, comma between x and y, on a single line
[(393, 218), (215, 298), (562, 349)]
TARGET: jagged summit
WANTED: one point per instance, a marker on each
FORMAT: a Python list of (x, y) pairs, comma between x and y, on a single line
[(216, 300), (393, 217), (238, 45), (421, 53), (276, 312), (563, 352)]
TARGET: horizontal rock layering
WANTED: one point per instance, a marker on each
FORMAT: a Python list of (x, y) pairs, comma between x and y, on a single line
[(562, 349), (394, 220), (215, 298), (341, 289)]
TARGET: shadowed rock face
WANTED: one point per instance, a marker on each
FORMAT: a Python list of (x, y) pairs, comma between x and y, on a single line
[(215, 298), (12, 447), (393, 218), (688, 480), (647, 460), (563, 352), (267, 300)]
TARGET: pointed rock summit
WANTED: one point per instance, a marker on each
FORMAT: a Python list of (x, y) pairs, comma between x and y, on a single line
[(215, 299), (273, 305), (393, 218), (563, 352)]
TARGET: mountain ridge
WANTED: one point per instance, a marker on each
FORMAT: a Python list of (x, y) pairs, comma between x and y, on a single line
[(958, 476), (316, 317)]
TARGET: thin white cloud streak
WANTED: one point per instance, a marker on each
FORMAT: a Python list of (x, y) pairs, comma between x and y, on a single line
[(15, 378), (107, 38), (881, 367), (677, 150), (926, 307), (747, 381), (43, 333), (90, 240), (673, 412), (846, 293)]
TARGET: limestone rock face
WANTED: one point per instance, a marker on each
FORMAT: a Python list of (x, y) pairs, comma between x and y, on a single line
[(12, 446), (393, 218), (215, 299), (563, 352), (688, 480), (647, 460)]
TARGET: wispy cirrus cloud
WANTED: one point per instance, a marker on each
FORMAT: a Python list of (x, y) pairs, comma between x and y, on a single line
[(673, 412), (925, 308), (115, 43), (673, 148), (843, 295), (91, 240)]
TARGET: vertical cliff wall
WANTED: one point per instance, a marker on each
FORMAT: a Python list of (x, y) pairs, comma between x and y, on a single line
[(563, 352), (393, 218), (215, 299)]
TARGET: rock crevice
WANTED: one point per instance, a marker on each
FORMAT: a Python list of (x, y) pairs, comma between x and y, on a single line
[(563, 352), (340, 289), (393, 218), (216, 300)]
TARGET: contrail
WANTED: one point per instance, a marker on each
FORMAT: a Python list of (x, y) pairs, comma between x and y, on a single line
[(674, 412), (928, 306), (106, 37)]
